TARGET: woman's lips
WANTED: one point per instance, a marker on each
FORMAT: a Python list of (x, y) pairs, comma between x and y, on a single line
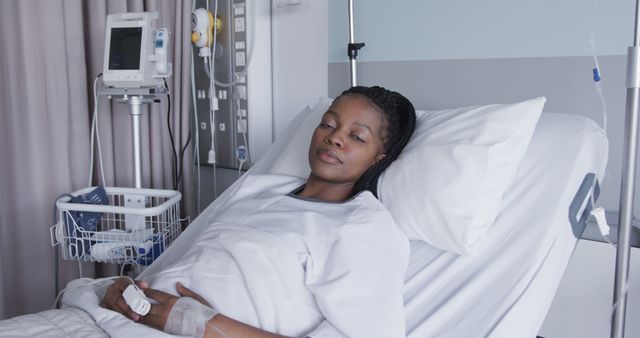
[(328, 157)]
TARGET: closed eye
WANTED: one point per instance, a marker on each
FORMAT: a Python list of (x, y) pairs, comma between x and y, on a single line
[(358, 138), (325, 125)]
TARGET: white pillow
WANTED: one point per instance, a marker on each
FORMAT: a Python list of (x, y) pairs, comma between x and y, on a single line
[(446, 187), (293, 158)]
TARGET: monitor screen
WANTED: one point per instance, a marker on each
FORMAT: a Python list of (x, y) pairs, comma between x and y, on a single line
[(124, 49)]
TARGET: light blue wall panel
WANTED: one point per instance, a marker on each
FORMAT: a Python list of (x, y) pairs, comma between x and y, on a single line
[(468, 29), (451, 53)]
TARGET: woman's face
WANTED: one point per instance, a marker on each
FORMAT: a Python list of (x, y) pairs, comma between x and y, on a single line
[(348, 140)]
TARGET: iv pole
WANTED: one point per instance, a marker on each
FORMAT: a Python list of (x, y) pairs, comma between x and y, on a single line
[(627, 184), (352, 48)]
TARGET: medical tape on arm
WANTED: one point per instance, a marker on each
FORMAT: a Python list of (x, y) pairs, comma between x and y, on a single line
[(189, 317)]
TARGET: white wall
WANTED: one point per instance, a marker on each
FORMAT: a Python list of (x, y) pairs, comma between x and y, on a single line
[(300, 60)]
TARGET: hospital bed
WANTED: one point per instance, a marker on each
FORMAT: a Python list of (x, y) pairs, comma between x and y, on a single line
[(502, 290)]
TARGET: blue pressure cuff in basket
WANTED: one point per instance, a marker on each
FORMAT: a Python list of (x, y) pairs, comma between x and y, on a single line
[(79, 221), (85, 219)]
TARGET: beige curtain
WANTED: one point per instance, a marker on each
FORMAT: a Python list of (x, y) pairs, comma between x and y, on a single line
[(51, 52)]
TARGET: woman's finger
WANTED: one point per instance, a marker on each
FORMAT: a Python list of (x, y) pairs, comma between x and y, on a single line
[(186, 292), (120, 305), (113, 300), (142, 284), (122, 283), (133, 316), (158, 295), (113, 294)]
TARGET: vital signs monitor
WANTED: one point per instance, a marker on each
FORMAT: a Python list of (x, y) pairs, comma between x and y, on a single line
[(135, 53)]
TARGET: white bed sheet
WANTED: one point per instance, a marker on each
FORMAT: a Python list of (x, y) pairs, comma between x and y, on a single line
[(506, 291)]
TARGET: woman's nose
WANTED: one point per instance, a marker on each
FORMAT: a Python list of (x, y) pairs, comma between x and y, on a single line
[(334, 139)]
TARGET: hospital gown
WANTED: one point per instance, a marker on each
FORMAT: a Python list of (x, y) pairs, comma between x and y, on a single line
[(297, 266)]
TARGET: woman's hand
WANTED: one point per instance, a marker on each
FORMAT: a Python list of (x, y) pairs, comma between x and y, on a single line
[(183, 291), (191, 315), (157, 316), (113, 299)]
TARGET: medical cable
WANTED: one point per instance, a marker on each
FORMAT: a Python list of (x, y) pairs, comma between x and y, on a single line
[(97, 129), (240, 168), (242, 158), (95, 135), (597, 69), (178, 160), (122, 266), (173, 145), (205, 53), (209, 65), (211, 158), (196, 149), (598, 86), (211, 59), (243, 73), (182, 151), (598, 213), (213, 99), (244, 136)]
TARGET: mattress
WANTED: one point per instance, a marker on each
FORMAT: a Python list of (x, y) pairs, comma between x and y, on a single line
[(507, 290)]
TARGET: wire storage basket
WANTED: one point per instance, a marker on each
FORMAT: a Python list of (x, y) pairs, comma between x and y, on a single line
[(128, 226)]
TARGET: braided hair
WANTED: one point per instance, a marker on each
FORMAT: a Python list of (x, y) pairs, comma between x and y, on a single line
[(400, 116)]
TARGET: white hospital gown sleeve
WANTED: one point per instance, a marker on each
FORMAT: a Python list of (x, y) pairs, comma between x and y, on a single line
[(359, 282)]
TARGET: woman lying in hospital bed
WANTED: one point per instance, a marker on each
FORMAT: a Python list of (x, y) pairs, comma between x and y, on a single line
[(321, 258), (492, 199)]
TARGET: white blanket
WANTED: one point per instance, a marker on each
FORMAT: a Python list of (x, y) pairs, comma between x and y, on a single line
[(284, 264), (82, 295), (61, 323)]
